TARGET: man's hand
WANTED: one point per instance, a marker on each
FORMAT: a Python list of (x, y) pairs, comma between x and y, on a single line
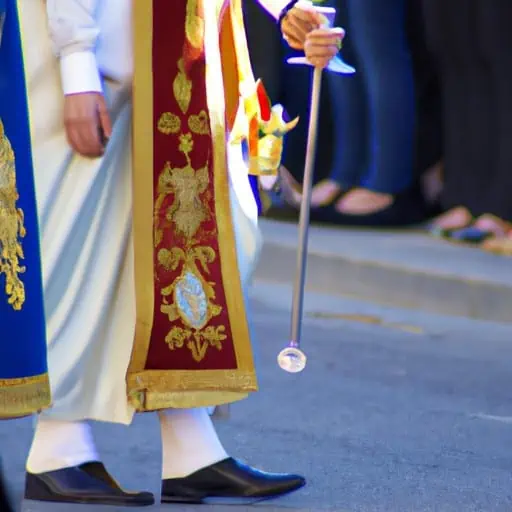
[(322, 45), (297, 24), (87, 123)]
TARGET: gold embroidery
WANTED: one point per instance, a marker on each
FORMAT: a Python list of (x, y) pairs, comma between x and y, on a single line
[(182, 87), (197, 307), (187, 211), (169, 123), (194, 24), (199, 124), (24, 396), (198, 341), (11, 226), (153, 383), (191, 294)]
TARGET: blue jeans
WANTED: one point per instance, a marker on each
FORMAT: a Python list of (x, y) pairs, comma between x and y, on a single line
[(374, 110)]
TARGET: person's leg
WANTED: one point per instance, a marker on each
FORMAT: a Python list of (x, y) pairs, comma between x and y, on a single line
[(478, 150), (349, 110), (449, 30), (60, 444), (64, 466), (197, 469), (495, 39), (428, 134), (385, 59), (379, 32), (488, 187), (189, 442)]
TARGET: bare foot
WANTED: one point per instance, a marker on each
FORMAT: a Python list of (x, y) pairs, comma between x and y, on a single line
[(361, 201), (324, 193), (499, 245), (492, 224), (456, 218)]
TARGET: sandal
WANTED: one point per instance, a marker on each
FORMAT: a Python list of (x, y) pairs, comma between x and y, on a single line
[(486, 227), (443, 226)]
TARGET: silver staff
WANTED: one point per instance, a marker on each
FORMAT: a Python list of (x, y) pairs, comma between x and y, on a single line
[(292, 359)]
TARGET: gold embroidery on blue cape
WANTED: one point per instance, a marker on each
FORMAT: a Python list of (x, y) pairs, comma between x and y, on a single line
[(24, 396), (12, 227)]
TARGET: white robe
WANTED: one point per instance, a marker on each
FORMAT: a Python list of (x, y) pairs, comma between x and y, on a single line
[(85, 218)]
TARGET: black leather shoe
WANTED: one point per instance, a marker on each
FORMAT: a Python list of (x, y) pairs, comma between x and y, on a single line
[(229, 482), (89, 483)]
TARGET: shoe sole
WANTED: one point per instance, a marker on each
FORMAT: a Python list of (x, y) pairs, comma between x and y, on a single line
[(225, 501), (36, 490), (91, 501)]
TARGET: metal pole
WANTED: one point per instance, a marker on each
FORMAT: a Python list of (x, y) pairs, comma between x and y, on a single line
[(302, 249)]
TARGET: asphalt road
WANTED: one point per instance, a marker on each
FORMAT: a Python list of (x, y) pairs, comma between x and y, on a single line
[(397, 411)]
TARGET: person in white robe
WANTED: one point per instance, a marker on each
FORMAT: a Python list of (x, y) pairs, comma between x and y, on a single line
[(79, 64)]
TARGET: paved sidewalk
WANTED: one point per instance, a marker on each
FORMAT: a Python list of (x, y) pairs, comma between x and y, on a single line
[(411, 414), (398, 268)]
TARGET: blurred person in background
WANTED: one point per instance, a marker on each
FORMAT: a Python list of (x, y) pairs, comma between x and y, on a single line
[(81, 150), (471, 41), (371, 174)]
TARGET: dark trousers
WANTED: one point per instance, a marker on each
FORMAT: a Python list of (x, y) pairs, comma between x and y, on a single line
[(375, 108), (472, 43), (429, 136)]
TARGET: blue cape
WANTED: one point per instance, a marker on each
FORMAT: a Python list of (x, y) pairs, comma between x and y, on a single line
[(23, 365)]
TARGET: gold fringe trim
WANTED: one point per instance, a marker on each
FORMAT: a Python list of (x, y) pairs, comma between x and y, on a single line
[(160, 389), (24, 396), (152, 400)]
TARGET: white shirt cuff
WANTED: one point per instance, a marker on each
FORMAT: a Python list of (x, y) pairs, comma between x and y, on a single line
[(79, 72)]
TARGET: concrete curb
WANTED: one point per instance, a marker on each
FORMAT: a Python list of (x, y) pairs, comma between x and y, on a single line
[(363, 273)]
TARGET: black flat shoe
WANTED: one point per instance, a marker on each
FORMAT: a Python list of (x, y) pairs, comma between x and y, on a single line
[(229, 482), (86, 484)]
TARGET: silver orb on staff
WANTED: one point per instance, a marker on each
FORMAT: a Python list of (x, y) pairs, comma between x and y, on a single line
[(292, 359)]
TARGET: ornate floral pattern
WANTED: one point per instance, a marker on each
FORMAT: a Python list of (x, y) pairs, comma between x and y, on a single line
[(12, 227)]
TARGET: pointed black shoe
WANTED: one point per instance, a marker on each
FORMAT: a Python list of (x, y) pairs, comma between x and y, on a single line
[(89, 483), (229, 482)]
